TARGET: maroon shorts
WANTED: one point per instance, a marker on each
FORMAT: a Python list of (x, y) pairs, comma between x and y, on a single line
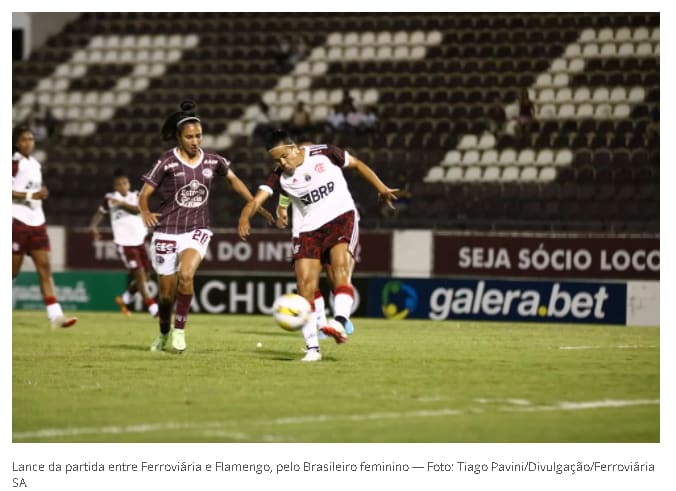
[(317, 244), (134, 257), (26, 238)]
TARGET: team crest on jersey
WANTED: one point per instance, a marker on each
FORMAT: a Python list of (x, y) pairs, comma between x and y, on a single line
[(319, 167), (208, 173), (192, 195)]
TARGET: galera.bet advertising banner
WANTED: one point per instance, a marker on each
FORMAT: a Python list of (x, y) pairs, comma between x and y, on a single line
[(498, 300)]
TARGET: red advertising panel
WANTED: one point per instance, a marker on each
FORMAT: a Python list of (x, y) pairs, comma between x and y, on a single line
[(546, 256), (263, 252)]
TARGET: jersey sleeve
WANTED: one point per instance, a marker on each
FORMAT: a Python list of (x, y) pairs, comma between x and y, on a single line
[(271, 183), (155, 175), (336, 155), (104, 207), (223, 166)]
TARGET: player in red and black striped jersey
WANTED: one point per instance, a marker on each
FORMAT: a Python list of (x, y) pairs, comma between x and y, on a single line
[(312, 177)]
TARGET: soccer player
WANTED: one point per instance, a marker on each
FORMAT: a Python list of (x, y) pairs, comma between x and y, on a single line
[(29, 232), (129, 234), (312, 177), (183, 176), (319, 302)]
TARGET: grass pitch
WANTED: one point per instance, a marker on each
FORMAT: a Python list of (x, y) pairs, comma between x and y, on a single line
[(394, 381)]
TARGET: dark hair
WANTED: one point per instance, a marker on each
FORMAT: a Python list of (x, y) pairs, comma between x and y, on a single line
[(175, 121), (119, 173), (16, 134), (277, 138)]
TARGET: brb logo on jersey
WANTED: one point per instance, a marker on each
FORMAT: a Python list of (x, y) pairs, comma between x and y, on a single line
[(316, 194), (192, 195)]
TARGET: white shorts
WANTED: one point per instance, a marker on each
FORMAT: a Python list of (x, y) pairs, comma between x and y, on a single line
[(166, 249)]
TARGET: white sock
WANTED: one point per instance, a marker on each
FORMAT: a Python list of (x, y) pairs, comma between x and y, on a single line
[(152, 309), (342, 303), (127, 297), (54, 310), (320, 311), (310, 333)]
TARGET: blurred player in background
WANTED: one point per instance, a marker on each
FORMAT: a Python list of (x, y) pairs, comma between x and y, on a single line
[(129, 234), (183, 175), (312, 177), (29, 231)]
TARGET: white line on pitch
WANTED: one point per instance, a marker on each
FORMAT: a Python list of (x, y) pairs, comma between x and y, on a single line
[(622, 346), (321, 418)]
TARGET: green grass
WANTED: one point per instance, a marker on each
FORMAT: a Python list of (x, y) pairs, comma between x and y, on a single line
[(394, 381)]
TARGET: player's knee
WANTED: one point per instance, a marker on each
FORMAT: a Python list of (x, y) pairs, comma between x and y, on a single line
[(185, 279)]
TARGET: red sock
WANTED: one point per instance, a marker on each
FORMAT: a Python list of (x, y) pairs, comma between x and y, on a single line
[(50, 300), (149, 302), (183, 301)]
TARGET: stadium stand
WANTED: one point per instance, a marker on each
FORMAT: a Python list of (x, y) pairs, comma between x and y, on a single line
[(589, 162)]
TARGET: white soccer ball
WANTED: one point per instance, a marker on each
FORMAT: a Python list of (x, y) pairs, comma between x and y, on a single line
[(291, 311)]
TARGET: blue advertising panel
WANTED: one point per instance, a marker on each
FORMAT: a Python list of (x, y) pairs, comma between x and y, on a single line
[(498, 300)]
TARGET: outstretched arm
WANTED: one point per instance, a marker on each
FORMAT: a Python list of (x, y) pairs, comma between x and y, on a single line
[(240, 188), (385, 193), (244, 227), (94, 225)]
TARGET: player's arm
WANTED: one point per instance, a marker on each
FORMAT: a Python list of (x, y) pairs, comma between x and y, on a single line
[(283, 211), (244, 226), (94, 225), (126, 206), (385, 193), (240, 188), (149, 218), (42, 194)]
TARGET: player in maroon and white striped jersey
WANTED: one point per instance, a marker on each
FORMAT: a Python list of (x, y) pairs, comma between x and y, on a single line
[(312, 177), (183, 177)]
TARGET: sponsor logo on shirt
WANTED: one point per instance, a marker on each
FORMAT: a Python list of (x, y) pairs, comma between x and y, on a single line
[(192, 195), (207, 173), (317, 194)]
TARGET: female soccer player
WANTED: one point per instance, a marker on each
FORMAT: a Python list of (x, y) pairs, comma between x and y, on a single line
[(29, 231), (312, 177), (183, 176)]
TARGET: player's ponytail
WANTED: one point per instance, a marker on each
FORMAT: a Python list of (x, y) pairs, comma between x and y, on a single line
[(175, 121)]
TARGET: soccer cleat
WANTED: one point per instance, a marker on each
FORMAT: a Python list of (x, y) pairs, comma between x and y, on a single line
[(349, 327), (312, 354), (159, 343), (62, 321), (178, 340), (337, 333), (123, 306)]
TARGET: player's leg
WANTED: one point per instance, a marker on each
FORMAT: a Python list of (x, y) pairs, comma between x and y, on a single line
[(188, 264), (17, 261), (167, 286), (307, 278), (342, 292), (141, 264), (164, 257), (141, 278), (54, 311)]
